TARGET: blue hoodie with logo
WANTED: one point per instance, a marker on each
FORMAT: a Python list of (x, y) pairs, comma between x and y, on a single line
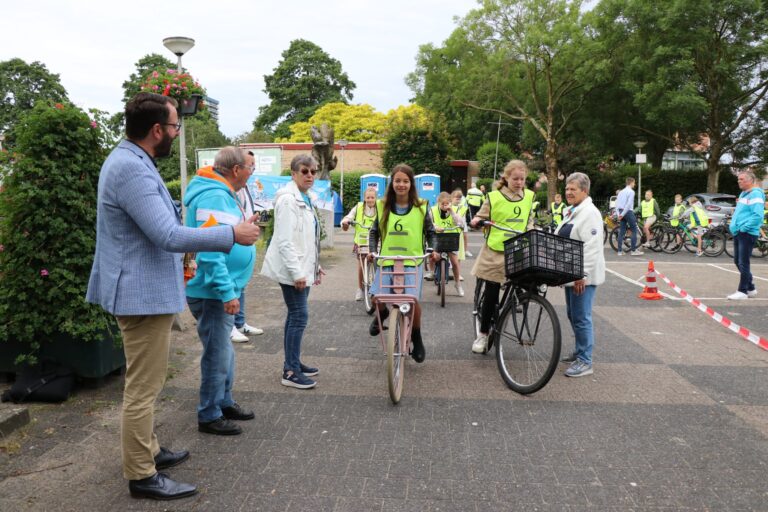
[(211, 201)]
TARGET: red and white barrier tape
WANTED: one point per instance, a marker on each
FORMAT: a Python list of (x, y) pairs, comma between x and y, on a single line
[(717, 317)]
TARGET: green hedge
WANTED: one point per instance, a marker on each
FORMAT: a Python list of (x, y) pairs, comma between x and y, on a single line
[(351, 186), (174, 187)]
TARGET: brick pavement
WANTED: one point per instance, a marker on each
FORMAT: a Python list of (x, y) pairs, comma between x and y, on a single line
[(674, 418)]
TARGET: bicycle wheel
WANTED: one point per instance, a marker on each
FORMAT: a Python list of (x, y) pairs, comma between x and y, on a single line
[(760, 250), (527, 341), (713, 243), (689, 241), (443, 278), (673, 242), (368, 277), (395, 355), (657, 232), (729, 244), (477, 305)]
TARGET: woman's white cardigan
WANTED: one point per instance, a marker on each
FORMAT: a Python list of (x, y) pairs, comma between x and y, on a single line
[(587, 226)]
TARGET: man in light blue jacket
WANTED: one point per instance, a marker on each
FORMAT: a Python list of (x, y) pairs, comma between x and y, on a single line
[(745, 227), (213, 294), (137, 276)]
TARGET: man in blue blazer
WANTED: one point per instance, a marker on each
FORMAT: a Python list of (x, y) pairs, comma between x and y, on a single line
[(137, 276)]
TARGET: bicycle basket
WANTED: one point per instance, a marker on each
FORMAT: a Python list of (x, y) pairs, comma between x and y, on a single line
[(537, 257), (446, 242)]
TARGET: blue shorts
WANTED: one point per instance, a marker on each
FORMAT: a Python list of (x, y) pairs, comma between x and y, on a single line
[(411, 280)]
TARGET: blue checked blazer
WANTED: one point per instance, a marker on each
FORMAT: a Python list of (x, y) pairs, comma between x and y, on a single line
[(140, 241)]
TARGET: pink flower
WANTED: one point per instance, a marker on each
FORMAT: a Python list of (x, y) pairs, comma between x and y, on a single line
[(44, 273), (154, 87), (94, 124), (154, 74)]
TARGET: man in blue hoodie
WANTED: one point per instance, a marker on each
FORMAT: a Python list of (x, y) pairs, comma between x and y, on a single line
[(745, 227), (213, 293)]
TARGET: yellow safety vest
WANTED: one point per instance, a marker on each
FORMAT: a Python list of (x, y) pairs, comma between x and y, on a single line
[(646, 208), (699, 217), (677, 211), (439, 221), (510, 214), (404, 235), (557, 212), (461, 210), (474, 198), (361, 235)]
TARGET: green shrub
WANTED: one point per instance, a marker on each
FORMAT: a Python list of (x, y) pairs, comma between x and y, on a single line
[(424, 150), (48, 230), (351, 187), (486, 157), (174, 187)]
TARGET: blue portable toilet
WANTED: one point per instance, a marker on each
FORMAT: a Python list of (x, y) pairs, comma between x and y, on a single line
[(428, 187), (338, 209), (375, 181)]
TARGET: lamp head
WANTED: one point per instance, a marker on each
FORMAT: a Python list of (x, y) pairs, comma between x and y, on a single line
[(179, 45), (342, 142), (640, 144)]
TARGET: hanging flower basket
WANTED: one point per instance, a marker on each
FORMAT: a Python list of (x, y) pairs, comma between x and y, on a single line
[(180, 86)]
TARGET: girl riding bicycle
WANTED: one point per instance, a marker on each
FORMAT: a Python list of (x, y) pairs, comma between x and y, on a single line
[(403, 224), (445, 219), (364, 214), (509, 206)]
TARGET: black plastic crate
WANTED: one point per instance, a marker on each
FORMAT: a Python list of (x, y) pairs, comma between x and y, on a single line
[(446, 242), (538, 257)]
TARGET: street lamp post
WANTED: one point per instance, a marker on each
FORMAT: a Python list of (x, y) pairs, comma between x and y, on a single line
[(179, 46), (640, 160), (342, 144)]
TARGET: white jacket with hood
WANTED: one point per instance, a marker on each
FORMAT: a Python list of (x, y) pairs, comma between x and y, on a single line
[(294, 250)]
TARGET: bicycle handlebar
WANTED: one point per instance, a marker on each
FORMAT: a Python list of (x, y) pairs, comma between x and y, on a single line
[(402, 258), (492, 224), (355, 223)]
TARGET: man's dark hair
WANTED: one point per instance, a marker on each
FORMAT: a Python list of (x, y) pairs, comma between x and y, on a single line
[(145, 110)]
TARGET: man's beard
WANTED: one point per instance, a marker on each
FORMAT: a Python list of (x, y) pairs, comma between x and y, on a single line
[(163, 148)]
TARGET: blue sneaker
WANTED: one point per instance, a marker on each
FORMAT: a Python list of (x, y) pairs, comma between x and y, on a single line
[(308, 370), (297, 380), (579, 369)]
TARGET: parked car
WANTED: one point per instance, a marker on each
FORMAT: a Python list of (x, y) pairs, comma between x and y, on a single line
[(717, 205)]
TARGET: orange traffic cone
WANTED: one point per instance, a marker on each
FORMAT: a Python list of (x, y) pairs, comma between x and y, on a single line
[(650, 292)]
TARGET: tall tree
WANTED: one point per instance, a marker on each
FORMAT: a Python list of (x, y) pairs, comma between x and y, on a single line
[(145, 65), (201, 132), (305, 79), (704, 70), (21, 86)]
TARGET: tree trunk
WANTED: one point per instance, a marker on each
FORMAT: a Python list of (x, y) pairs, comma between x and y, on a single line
[(713, 173), (550, 160)]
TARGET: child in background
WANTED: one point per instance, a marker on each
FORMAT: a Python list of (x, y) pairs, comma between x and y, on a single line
[(462, 208), (444, 218), (363, 213)]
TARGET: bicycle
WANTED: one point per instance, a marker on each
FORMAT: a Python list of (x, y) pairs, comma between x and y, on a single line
[(525, 328), (609, 222), (657, 233), (677, 237), (445, 242), (368, 270), (398, 342)]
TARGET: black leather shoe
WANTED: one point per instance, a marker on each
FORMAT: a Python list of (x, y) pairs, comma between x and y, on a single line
[(160, 487), (418, 353), (167, 459), (373, 330), (235, 412), (220, 427)]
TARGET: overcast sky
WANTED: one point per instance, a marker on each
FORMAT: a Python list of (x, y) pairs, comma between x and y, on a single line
[(94, 45)]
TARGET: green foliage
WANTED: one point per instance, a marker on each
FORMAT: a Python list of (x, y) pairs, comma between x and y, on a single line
[(488, 182), (144, 67), (252, 136), (305, 79), (22, 85), (486, 157), (351, 187), (171, 82), (424, 150), (201, 132), (48, 230), (174, 188)]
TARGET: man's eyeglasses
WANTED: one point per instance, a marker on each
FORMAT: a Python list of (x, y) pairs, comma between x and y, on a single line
[(250, 168), (175, 125), (307, 171)]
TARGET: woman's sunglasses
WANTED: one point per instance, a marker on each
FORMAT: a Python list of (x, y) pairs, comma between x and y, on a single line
[(307, 171)]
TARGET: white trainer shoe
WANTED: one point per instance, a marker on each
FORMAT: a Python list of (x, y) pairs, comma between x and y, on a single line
[(468, 254), (459, 289), (738, 296), (250, 330), (359, 295), (480, 345), (237, 337), (752, 293), (429, 275)]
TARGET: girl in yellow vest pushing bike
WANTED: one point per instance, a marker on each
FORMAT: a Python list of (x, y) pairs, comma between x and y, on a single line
[(363, 213)]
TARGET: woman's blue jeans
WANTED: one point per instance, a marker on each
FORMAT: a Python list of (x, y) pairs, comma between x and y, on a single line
[(217, 365), (579, 308), (295, 323), (743, 243)]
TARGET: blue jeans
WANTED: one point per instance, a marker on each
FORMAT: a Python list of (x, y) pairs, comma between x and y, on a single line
[(630, 220), (295, 323), (579, 309), (240, 315), (217, 365), (743, 243)]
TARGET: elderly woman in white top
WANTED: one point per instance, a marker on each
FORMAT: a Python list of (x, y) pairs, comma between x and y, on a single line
[(582, 221)]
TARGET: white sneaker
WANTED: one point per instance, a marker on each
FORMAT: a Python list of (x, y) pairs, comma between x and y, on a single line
[(752, 293), (429, 275), (738, 296), (467, 254), (461, 278), (636, 252), (250, 330), (459, 290), (237, 337), (480, 345), (359, 295)]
